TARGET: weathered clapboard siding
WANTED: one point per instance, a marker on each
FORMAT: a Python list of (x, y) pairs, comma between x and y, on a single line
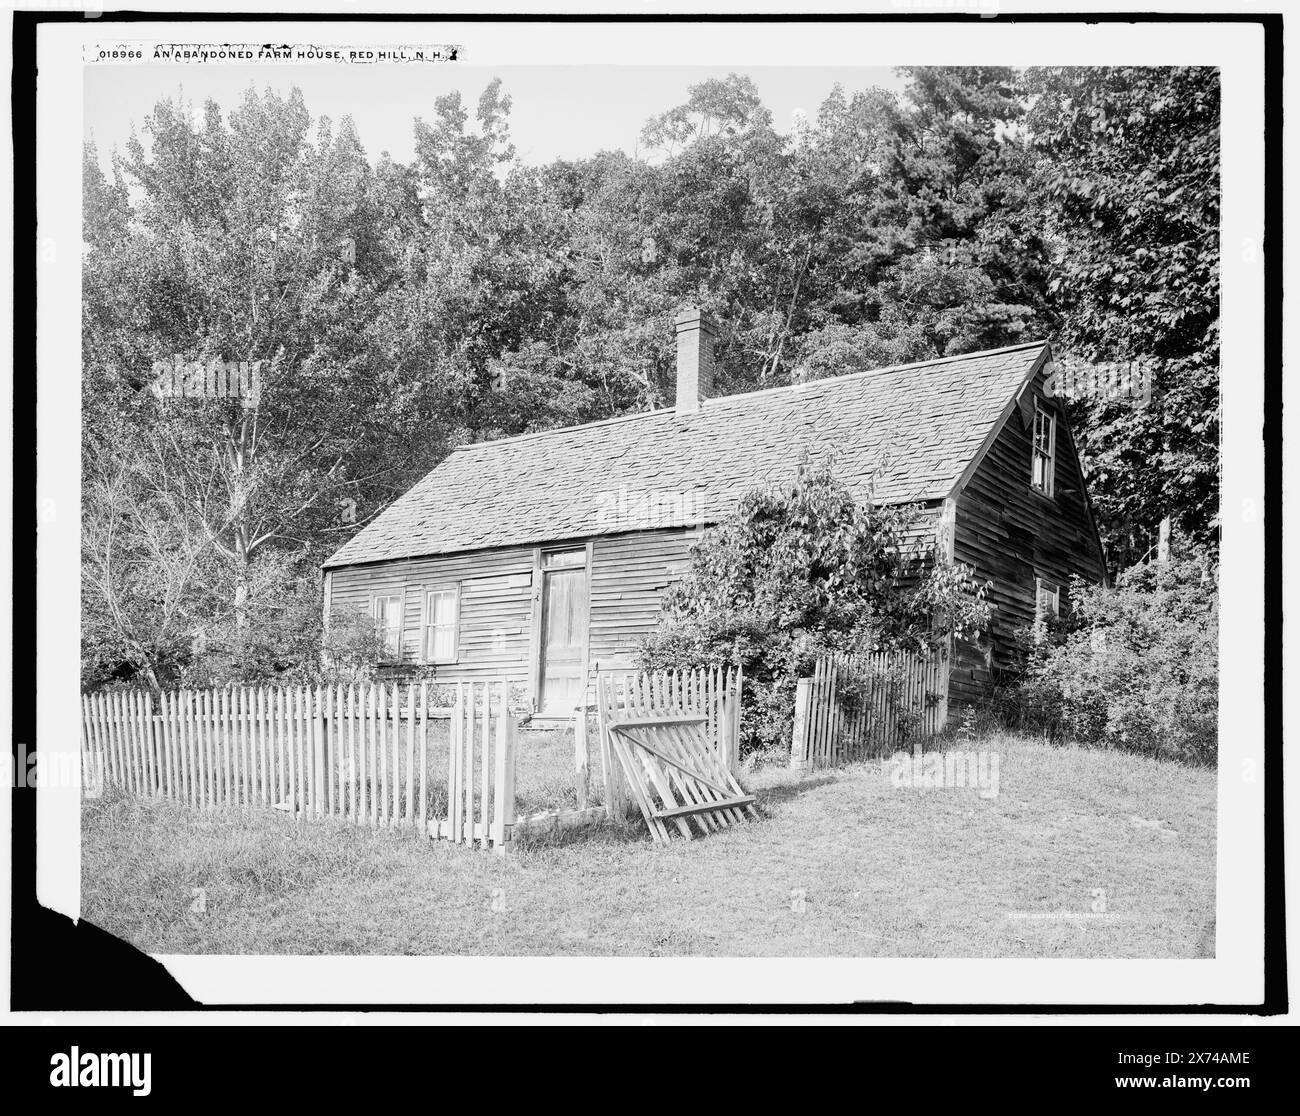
[(924, 537), (1012, 535), (628, 577), (495, 606)]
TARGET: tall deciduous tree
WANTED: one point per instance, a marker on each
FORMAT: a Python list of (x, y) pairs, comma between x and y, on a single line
[(250, 244), (1128, 188)]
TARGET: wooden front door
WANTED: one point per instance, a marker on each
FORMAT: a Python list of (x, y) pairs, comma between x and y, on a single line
[(563, 643)]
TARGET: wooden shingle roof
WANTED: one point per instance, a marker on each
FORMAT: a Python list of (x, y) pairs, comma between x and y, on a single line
[(899, 434)]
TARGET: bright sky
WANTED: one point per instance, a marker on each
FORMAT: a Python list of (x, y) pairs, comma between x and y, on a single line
[(558, 111)]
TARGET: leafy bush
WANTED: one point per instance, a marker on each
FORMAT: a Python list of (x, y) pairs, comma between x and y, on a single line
[(797, 572), (283, 643), (351, 649), (1135, 668)]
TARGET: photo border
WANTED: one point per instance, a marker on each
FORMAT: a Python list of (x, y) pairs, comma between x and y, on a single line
[(45, 976)]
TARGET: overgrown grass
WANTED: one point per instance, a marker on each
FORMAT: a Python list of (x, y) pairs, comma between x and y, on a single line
[(544, 772), (842, 863)]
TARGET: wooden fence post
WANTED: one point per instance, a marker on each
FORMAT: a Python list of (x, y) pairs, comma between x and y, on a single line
[(799, 735), (386, 709), (465, 797), (228, 745), (121, 773), (454, 796), (735, 718), (131, 719), (101, 741), (146, 736), (725, 744), (87, 762), (505, 781), (945, 670), (296, 773), (334, 750), (318, 755), (485, 762), (617, 801), (424, 756), (581, 756), (409, 819), (373, 785), (606, 756), (113, 725)]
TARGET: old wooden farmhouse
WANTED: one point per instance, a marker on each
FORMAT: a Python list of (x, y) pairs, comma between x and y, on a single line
[(542, 558)]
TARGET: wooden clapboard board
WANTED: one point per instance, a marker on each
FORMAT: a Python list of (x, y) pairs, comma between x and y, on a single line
[(676, 776)]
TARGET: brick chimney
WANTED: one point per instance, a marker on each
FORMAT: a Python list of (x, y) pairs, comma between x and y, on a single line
[(695, 334)]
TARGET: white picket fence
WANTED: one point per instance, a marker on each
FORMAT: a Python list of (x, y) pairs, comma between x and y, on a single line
[(362, 754), (383, 755)]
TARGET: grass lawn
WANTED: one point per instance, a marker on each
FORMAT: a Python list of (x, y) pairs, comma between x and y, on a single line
[(1082, 853)]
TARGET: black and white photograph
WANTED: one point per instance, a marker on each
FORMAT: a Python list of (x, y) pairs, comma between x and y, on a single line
[(749, 510)]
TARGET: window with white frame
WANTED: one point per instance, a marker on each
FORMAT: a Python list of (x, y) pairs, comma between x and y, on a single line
[(387, 612), (1044, 467), (441, 625)]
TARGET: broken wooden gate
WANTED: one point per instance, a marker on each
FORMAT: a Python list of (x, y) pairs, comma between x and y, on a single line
[(674, 744)]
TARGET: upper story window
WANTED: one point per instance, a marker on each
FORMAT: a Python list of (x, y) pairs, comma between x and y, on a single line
[(442, 626), (387, 612), (1043, 477)]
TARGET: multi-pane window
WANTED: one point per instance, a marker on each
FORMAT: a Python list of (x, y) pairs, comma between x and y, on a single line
[(1044, 469), (387, 613), (441, 622)]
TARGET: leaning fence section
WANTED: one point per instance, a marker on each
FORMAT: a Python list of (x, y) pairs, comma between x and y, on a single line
[(855, 707), (686, 720), (361, 754)]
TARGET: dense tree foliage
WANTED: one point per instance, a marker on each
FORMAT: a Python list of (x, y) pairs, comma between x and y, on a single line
[(394, 311), (1128, 185)]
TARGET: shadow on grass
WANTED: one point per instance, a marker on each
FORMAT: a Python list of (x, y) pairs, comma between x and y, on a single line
[(786, 792), (628, 832)]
